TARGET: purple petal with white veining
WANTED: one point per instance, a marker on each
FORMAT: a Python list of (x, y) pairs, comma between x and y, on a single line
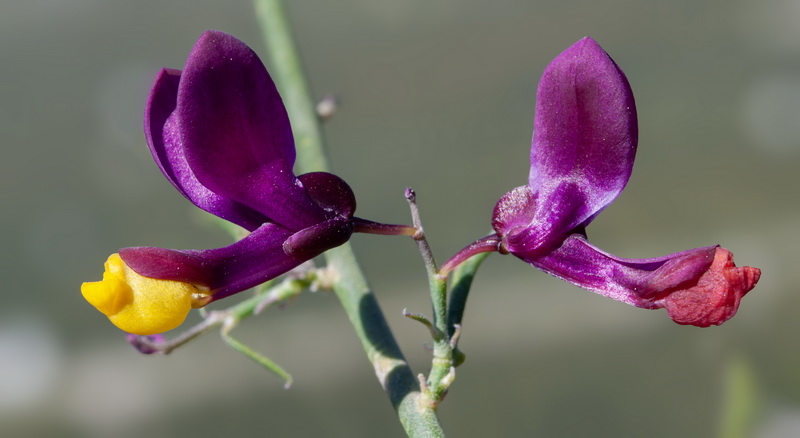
[(236, 134), (584, 141), (167, 149), (638, 282)]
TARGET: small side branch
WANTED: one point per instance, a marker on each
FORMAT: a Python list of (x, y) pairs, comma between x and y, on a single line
[(285, 291), (438, 286)]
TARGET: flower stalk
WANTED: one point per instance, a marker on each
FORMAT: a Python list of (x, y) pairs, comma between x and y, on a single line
[(287, 71)]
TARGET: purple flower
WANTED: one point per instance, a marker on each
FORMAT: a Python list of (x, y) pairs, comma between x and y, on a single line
[(219, 132), (584, 143)]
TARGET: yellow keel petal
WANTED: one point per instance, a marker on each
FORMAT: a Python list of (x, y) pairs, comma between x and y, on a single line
[(137, 304)]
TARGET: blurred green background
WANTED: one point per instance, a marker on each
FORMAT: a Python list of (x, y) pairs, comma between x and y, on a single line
[(438, 96)]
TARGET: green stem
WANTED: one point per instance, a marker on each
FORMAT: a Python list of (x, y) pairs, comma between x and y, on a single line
[(286, 290), (415, 411), (437, 285), (258, 358), (443, 364), (742, 402)]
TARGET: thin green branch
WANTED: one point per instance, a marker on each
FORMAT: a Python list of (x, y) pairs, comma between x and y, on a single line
[(437, 285), (414, 410), (443, 371), (422, 319), (258, 358), (229, 318)]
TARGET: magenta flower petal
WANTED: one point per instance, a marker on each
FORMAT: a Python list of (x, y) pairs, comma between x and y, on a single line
[(700, 287), (331, 193), (584, 141), (312, 241), (166, 146), (235, 132), (223, 271)]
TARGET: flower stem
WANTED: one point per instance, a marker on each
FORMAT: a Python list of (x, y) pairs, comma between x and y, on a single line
[(416, 414), (287, 290), (258, 358), (370, 227), (486, 244)]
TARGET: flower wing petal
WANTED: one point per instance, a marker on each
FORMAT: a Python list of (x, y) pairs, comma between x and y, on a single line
[(236, 134), (167, 149)]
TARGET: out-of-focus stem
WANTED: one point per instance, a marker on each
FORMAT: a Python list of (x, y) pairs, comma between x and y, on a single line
[(287, 72)]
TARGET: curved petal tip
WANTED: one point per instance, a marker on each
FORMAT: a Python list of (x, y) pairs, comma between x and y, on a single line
[(716, 296)]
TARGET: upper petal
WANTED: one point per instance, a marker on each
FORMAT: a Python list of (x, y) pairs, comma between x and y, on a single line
[(167, 148), (700, 287), (584, 142), (236, 134)]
